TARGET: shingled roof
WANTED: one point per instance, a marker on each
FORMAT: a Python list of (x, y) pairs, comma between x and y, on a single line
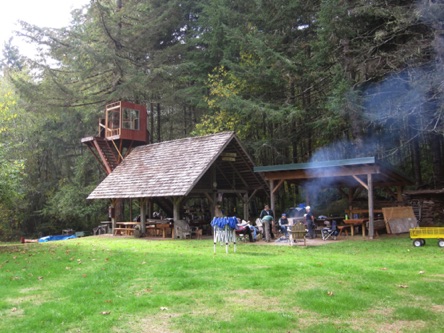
[(175, 168)]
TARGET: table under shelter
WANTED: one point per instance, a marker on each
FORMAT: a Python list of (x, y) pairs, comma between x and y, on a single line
[(350, 176)]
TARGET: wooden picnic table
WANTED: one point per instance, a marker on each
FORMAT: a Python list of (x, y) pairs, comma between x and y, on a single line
[(125, 228), (160, 226), (356, 222)]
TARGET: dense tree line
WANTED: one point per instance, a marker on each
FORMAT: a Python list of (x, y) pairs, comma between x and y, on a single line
[(297, 80)]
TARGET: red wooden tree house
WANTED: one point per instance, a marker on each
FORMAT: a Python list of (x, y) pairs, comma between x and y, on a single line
[(123, 128)]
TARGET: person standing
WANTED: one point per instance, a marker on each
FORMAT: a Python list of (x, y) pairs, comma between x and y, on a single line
[(266, 224), (268, 212), (309, 220)]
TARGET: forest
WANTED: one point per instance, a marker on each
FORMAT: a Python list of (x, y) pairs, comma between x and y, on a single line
[(297, 80)]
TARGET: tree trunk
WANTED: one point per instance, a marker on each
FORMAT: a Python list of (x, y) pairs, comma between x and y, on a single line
[(436, 148)]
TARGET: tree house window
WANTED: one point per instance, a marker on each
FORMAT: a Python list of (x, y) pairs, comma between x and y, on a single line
[(114, 119), (130, 119), (113, 123)]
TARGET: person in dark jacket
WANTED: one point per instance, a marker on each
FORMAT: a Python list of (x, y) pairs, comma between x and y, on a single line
[(309, 220), (267, 211)]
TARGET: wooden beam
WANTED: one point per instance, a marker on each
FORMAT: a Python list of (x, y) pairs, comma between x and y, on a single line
[(222, 173), (236, 171), (252, 195), (361, 182), (278, 186)]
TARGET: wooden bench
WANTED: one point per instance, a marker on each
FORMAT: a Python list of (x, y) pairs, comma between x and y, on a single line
[(343, 228), (123, 231)]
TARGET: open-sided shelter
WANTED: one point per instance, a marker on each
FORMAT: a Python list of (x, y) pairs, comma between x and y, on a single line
[(170, 171), (354, 174)]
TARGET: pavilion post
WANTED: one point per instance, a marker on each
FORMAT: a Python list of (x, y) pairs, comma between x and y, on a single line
[(371, 228), (176, 213), (245, 203), (399, 194), (112, 213), (271, 182), (149, 207), (143, 210)]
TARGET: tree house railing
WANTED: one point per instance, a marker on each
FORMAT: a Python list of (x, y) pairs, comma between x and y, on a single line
[(108, 132)]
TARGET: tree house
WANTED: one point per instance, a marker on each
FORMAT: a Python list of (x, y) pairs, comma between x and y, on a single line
[(123, 128)]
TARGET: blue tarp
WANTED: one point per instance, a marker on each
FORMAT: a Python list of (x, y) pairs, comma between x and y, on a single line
[(55, 238), (221, 222)]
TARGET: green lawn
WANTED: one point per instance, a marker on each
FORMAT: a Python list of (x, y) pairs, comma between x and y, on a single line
[(116, 284)]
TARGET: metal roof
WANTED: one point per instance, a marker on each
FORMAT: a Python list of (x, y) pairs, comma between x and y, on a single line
[(178, 167), (315, 165), (342, 172)]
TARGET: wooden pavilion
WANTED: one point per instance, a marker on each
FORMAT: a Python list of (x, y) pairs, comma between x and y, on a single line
[(168, 172), (350, 176)]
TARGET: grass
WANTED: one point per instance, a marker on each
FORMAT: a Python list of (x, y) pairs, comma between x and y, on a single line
[(116, 284)]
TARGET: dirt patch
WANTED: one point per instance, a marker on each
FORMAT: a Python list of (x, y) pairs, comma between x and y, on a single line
[(153, 323), (309, 242)]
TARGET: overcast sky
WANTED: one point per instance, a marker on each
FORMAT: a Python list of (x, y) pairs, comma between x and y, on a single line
[(43, 13)]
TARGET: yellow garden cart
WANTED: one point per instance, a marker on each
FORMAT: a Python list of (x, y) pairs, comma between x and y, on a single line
[(419, 235)]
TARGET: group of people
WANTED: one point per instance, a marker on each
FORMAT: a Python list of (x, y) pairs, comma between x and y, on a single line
[(267, 219), (265, 225)]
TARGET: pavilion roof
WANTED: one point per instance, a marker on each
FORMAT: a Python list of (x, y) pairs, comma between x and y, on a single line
[(178, 167)]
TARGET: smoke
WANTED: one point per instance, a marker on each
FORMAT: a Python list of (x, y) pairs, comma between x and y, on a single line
[(404, 107)]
